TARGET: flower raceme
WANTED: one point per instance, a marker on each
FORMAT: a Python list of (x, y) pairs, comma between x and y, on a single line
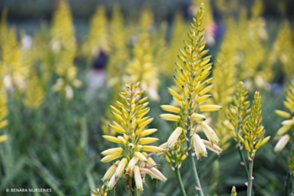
[(191, 93), (134, 162), (286, 124)]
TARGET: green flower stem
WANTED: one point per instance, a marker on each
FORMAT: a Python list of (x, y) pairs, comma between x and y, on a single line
[(287, 183), (243, 160), (180, 182), (249, 188), (195, 174)]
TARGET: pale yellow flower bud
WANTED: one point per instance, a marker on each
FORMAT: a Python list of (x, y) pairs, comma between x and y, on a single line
[(174, 136), (138, 179), (209, 108), (112, 139), (132, 164), (111, 157), (110, 171), (170, 117), (199, 146), (157, 174), (152, 149), (140, 156), (283, 114), (148, 132), (284, 129), (210, 134), (147, 140), (170, 108), (112, 151), (121, 168), (175, 94), (282, 143), (198, 117), (213, 147)]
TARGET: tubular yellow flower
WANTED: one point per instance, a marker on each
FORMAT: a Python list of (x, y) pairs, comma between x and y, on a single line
[(138, 179), (157, 174), (111, 157), (121, 168), (198, 117), (112, 139), (140, 156), (213, 147), (175, 94), (210, 134), (152, 149), (199, 146), (112, 182), (282, 143), (112, 151), (283, 114), (132, 164), (148, 132), (288, 122), (284, 129), (209, 108), (170, 108), (147, 140), (174, 137), (170, 117), (109, 173)]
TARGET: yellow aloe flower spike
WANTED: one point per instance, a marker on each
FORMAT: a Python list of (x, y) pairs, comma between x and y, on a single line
[(192, 82), (288, 115), (35, 93), (120, 54), (131, 124), (142, 67), (97, 39), (224, 75), (63, 45), (238, 114), (253, 136), (3, 114)]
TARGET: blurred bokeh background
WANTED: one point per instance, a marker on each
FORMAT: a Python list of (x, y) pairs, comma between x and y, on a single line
[(64, 62)]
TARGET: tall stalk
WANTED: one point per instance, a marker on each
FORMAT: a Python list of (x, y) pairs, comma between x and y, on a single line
[(180, 182), (250, 178)]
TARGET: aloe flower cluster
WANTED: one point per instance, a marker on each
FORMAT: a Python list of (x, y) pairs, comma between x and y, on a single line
[(131, 125)]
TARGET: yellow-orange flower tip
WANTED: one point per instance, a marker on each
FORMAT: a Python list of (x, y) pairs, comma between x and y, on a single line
[(174, 136), (169, 108), (283, 114), (281, 143), (170, 117)]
